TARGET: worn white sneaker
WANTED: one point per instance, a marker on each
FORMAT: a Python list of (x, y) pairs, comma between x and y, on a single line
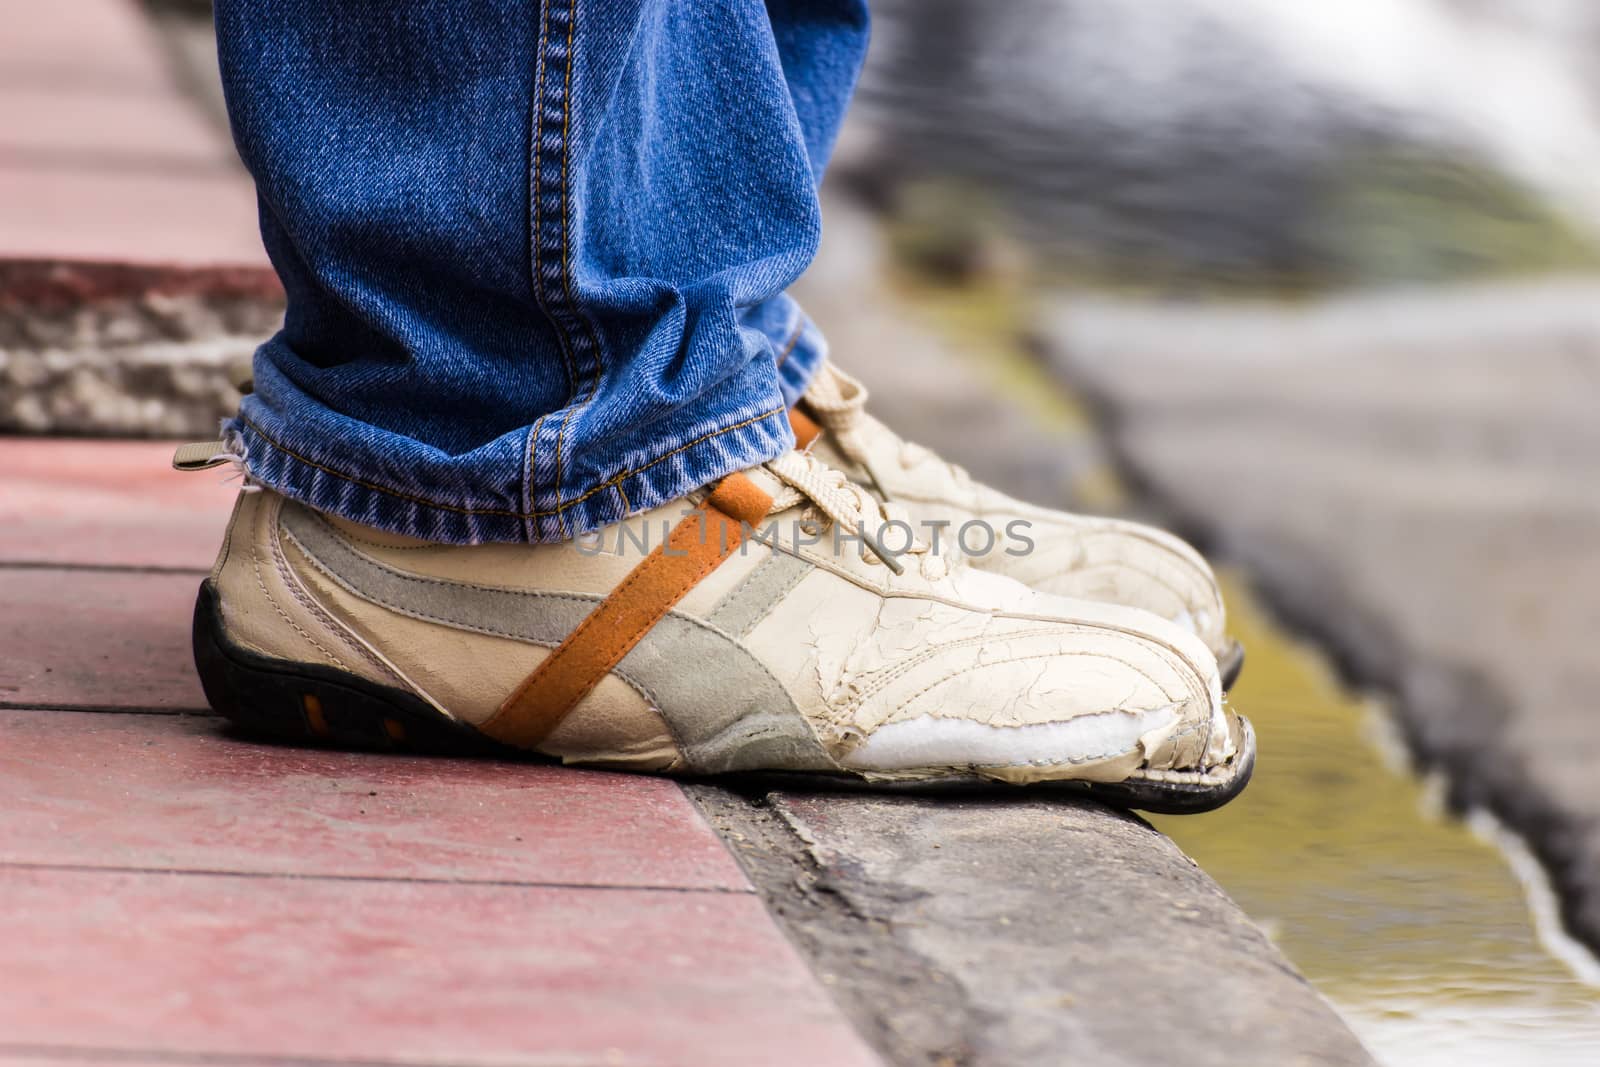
[(1113, 561), (751, 627)]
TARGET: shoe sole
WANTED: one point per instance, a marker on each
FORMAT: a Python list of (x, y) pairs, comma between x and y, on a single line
[(1230, 663), (322, 705)]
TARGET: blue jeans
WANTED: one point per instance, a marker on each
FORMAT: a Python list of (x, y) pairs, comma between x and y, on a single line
[(535, 253)]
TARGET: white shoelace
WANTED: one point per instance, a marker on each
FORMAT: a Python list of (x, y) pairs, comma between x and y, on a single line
[(839, 403), (829, 493)]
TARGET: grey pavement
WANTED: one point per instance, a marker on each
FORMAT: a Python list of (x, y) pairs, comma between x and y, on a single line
[(1415, 478)]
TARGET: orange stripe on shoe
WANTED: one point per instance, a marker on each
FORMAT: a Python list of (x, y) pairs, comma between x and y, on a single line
[(740, 499), (697, 546), (805, 428)]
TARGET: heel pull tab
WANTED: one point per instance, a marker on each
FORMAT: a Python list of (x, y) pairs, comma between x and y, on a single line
[(200, 456)]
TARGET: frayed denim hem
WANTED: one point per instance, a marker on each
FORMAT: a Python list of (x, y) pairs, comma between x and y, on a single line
[(493, 515)]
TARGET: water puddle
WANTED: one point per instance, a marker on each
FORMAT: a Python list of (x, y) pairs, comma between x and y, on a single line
[(1416, 925)]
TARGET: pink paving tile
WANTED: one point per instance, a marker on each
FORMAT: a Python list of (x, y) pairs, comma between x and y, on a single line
[(97, 639), (81, 1058), (84, 43), (101, 158), (86, 1059), (108, 130), (405, 971), (107, 503), (203, 217), (176, 793)]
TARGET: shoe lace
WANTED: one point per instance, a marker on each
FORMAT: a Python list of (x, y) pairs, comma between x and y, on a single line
[(829, 495), (839, 403)]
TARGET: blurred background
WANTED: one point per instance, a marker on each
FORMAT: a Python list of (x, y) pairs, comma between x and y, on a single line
[(1325, 279), (1317, 284), (1202, 146)]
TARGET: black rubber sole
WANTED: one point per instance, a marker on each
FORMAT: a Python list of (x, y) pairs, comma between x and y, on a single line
[(1230, 663), (1157, 798), (309, 703), (1183, 798)]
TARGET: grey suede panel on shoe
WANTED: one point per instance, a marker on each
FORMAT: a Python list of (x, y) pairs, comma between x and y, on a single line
[(752, 599), (726, 710)]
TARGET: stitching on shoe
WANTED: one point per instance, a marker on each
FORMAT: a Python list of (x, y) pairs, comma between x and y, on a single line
[(423, 615), (882, 680), (877, 681), (1177, 593), (401, 609), (1018, 659), (302, 596), (305, 599), (255, 560), (1206, 777), (765, 607)]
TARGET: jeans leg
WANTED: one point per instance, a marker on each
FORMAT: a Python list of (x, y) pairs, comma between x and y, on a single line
[(816, 62), (528, 247)]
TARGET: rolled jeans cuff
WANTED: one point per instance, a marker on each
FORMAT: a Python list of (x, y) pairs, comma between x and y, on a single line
[(487, 495)]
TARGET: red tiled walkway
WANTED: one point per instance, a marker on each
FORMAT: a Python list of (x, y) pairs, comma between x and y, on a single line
[(170, 892), (101, 157)]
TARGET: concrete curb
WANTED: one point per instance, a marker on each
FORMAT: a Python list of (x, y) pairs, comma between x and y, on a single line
[(1012, 930), (128, 349)]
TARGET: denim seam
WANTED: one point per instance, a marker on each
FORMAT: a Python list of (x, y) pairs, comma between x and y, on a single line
[(539, 258), (794, 339), (609, 483), (526, 496), (571, 306), (561, 191), (536, 133), (535, 278)]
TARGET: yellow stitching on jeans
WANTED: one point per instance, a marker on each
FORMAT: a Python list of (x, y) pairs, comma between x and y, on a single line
[(562, 342), (538, 126), (528, 470), (609, 483), (566, 251), (566, 261)]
